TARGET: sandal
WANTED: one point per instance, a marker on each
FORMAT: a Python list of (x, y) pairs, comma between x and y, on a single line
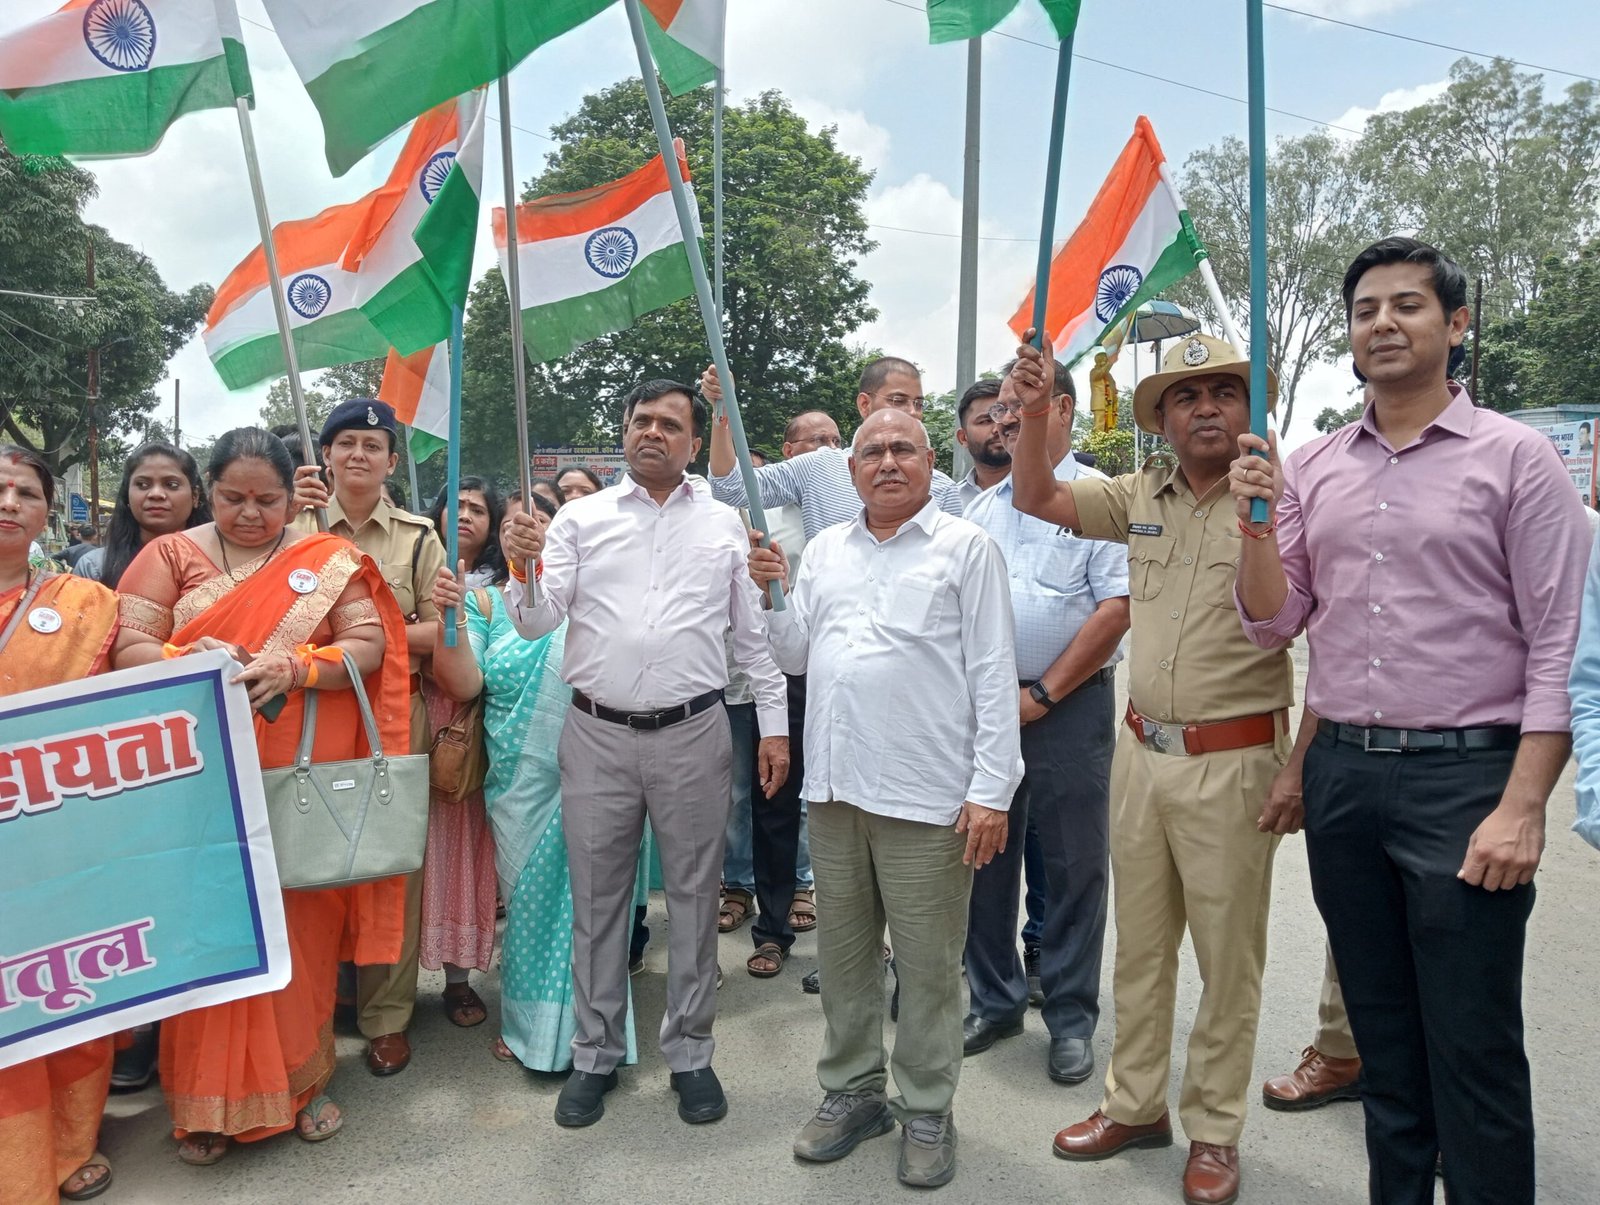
[(91, 1187), (803, 912), (767, 962), (202, 1150), (464, 1006), (501, 1051), (313, 1113), (736, 906)]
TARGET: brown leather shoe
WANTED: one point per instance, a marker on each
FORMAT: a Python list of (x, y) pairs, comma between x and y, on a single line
[(1099, 1137), (1212, 1176), (1317, 1081), (389, 1055)]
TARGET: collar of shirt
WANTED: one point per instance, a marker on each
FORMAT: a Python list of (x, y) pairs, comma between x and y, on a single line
[(381, 515), (924, 519), (1455, 418), (1175, 482), (632, 489)]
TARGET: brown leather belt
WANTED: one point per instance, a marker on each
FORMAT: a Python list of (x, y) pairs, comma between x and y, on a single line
[(1188, 740)]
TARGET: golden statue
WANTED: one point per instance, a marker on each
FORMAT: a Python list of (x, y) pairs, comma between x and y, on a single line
[(1102, 394)]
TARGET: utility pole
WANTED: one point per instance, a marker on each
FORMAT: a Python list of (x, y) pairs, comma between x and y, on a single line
[(177, 430), (94, 426), (967, 304)]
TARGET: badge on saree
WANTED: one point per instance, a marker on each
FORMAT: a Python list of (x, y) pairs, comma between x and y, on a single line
[(303, 581), (44, 620)]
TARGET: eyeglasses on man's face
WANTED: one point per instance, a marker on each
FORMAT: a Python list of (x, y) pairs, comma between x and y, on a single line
[(900, 449), (826, 440), (910, 403)]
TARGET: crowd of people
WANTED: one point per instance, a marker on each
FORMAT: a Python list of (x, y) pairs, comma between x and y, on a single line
[(892, 718)]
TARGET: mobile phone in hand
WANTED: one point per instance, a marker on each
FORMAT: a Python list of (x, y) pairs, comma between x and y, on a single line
[(273, 707)]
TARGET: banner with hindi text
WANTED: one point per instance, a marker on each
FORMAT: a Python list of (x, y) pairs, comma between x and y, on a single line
[(137, 877)]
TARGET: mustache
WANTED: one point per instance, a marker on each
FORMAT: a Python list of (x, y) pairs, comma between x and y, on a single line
[(889, 476)]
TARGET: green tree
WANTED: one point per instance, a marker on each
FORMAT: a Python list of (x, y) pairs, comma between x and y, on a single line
[(136, 323), (795, 236), (1318, 218), (278, 409), (1548, 356), (1332, 418)]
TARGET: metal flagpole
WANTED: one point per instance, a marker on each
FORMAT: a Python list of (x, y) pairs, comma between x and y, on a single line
[(967, 295), (514, 288), (452, 473), (716, 182), (1052, 188), (280, 305), (1230, 332), (702, 285), (1259, 341)]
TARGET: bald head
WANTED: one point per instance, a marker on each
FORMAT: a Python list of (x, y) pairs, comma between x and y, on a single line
[(891, 462)]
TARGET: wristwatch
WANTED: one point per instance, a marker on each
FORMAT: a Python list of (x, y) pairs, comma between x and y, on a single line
[(1041, 695)]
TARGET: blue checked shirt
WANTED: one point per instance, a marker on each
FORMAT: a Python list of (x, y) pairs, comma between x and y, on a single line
[(1057, 578)]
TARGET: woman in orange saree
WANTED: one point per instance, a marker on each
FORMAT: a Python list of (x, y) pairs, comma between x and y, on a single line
[(53, 629), (285, 603)]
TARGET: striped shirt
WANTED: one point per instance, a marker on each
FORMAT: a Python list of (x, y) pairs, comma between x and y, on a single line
[(819, 483)]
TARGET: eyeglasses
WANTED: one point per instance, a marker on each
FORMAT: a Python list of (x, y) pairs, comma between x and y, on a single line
[(870, 454), (818, 441), (904, 401), (1000, 411)]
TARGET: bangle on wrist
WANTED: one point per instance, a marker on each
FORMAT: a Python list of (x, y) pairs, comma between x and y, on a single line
[(1039, 413), (518, 572)]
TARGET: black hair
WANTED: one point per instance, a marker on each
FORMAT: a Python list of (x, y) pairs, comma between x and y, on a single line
[(976, 392), (649, 391), (554, 486), (878, 371), (124, 537), (290, 434), (251, 443), (542, 504), (491, 558), (1063, 382), (35, 462), (1449, 281)]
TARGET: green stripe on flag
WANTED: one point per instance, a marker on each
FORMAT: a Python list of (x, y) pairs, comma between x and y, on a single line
[(1177, 259), (409, 313), (117, 115), (446, 234), (556, 328), (957, 20), (424, 444), (681, 69), (340, 338)]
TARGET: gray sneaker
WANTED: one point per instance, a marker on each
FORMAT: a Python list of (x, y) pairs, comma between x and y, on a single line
[(843, 1121), (928, 1151)]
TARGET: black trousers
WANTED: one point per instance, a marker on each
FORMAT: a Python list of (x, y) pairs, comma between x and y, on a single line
[(1431, 968), (1065, 796), (775, 826)]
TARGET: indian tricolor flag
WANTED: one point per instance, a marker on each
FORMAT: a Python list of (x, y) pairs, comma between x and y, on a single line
[(956, 20), (418, 387), (381, 272), (372, 65), (101, 78), (1136, 242), (593, 261), (686, 40)]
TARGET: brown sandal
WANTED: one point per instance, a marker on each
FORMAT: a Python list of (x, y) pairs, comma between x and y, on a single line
[(460, 1002), (90, 1187), (737, 904), (202, 1150), (803, 911), (767, 962)]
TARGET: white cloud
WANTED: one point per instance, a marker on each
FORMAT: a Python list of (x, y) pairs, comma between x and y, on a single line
[(1350, 10), (1356, 117), (855, 133)]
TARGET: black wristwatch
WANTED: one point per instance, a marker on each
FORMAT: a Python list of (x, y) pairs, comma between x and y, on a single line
[(1041, 695)]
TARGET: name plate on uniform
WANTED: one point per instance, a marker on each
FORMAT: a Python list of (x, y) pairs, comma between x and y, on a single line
[(1144, 529)]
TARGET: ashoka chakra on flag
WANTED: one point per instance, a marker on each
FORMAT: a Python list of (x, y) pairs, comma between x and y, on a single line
[(435, 173), (1118, 284), (120, 33), (309, 294), (611, 251)]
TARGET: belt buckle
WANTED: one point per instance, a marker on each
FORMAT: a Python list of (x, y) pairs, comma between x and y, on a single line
[(648, 721), (1368, 747), (1158, 736)]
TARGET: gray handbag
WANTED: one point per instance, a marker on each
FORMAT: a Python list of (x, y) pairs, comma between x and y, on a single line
[(343, 822)]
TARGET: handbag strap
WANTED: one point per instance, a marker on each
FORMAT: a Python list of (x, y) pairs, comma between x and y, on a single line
[(22, 606), (308, 729)]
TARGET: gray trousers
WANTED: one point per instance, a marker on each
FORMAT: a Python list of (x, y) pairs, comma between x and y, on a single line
[(611, 777)]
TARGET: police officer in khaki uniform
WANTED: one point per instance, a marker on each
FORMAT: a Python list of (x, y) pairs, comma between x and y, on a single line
[(359, 448), (1201, 747)]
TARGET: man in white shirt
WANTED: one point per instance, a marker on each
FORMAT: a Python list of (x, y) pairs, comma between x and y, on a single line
[(1069, 598), (648, 574), (903, 620)]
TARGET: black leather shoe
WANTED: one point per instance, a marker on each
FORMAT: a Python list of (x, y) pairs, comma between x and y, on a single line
[(583, 1098), (700, 1096), (1071, 1060), (977, 1035)]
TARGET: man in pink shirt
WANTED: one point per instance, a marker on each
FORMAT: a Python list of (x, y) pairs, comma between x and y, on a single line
[(1433, 553)]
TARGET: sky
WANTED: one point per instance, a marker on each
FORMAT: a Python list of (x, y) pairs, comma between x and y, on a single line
[(865, 67)]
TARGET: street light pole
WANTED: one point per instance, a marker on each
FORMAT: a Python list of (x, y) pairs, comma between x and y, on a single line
[(94, 427)]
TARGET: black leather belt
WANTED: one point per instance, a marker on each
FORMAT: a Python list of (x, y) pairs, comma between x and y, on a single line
[(1422, 740), (1098, 678), (648, 721)]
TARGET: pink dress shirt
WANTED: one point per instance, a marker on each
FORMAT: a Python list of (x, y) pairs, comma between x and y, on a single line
[(1438, 584)]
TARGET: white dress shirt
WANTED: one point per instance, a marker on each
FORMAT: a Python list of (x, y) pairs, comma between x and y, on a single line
[(911, 699), (647, 592)]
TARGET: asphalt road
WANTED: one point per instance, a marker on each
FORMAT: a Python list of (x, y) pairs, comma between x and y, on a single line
[(458, 1127)]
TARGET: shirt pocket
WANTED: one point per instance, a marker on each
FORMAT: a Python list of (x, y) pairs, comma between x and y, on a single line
[(1063, 565), (1147, 565), (711, 567), (913, 604), (398, 575), (1221, 569)]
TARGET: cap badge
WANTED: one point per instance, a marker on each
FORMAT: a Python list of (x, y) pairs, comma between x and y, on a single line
[(1196, 353), (372, 415)]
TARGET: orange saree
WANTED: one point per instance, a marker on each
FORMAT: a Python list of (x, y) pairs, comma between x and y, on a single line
[(245, 1069), (50, 1107)]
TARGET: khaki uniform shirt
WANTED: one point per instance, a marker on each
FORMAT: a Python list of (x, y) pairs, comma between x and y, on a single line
[(1190, 661)]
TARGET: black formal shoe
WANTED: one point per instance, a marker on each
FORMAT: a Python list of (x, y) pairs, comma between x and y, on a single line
[(977, 1035), (135, 1067), (700, 1097), (583, 1098), (1071, 1060)]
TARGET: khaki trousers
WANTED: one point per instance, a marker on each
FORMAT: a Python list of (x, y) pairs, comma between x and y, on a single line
[(386, 996), (874, 870), (1334, 1038), (1185, 851)]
